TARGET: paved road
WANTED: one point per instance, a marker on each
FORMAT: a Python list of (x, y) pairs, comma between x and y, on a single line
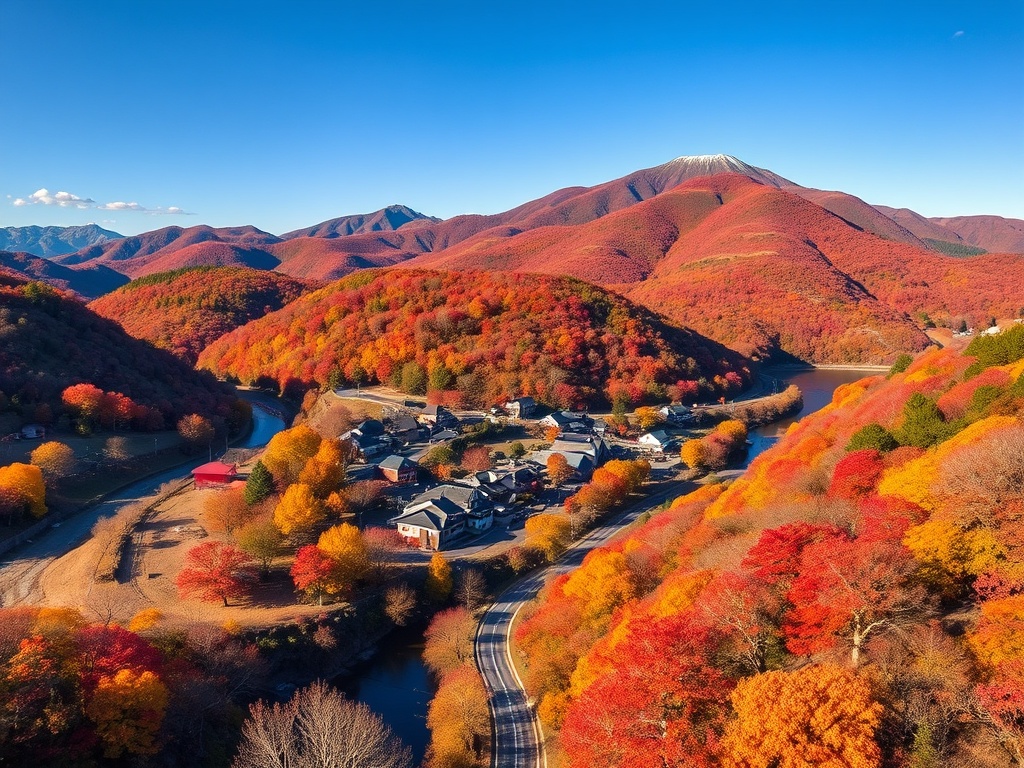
[(22, 568), (516, 733)]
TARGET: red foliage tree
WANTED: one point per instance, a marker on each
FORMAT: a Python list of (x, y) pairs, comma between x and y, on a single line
[(215, 571), (664, 704)]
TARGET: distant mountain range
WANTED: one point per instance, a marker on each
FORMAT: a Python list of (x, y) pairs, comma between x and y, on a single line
[(53, 241), (737, 252)]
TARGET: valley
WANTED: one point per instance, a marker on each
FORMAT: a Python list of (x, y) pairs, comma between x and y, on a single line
[(529, 450)]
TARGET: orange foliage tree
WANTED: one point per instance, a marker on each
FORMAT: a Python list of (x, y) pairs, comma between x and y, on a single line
[(823, 716), (24, 485)]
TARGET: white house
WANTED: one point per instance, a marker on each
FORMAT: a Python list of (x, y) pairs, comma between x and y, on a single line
[(658, 441)]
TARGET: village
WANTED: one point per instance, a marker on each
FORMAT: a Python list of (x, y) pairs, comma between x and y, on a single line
[(481, 510)]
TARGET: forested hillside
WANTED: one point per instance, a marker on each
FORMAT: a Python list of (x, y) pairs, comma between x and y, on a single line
[(475, 338), (49, 341), (855, 599), (184, 310)]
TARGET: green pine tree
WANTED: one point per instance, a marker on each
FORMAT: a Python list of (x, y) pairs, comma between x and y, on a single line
[(259, 485)]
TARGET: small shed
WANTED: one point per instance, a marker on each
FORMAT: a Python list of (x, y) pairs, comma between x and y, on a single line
[(398, 470), (215, 473)]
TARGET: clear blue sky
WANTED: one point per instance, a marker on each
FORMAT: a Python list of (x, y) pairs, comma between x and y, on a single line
[(284, 114)]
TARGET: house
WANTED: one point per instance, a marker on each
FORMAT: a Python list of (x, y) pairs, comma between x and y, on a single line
[(568, 421), (600, 427), (480, 521), (367, 446), (592, 445), (521, 479), (581, 464), (438, 416), (370, 428), (521, 407), (658, 441), (215, 473), (431, 524), (676, 414), (404, 428), (466, 497), (398, 470), (32, 432)]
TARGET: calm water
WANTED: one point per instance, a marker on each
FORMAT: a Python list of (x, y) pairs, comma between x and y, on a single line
[(817, 387), (397, 686), (265, 426)]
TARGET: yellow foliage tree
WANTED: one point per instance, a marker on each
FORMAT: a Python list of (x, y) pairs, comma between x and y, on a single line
[(548, 534), (459, 719), (602, 583), (325, 470), (559, 470), (439, 581), (345, 545), (632, 472), (288, 452), (25, 482), (733, 428), (648, 418), (128, 709), (55, 460), (145, 619), (298, 511), (819, 715), (999, 635), (694, 454)]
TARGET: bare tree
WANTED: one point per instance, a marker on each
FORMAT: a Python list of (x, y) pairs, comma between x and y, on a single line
[(399, 603), (471, 588), (318, 728)]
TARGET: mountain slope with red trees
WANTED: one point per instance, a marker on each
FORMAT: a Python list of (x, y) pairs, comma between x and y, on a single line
[(183, 311), (759, 268), (476, 338), (51, 341), (143, 254), (87, 280), (384, 220), (853, 599)]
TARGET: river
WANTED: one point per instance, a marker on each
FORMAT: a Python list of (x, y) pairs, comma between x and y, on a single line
[(817, 386)]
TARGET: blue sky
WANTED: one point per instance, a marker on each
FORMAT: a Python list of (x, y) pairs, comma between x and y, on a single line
[(284, 114)]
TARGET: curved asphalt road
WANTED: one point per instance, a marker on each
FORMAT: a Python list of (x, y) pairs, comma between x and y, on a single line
[(516, 739)]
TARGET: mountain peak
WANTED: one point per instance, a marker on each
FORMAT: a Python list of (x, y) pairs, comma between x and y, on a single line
[(386, 219), (694, 166)]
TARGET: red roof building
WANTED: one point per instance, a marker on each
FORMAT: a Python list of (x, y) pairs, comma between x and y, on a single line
[(214, 473)]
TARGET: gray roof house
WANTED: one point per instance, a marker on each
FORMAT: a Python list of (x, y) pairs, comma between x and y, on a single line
[(431, 524)]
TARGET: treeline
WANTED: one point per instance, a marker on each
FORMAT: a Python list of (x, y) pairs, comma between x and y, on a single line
[(477, 338), (853, 599)]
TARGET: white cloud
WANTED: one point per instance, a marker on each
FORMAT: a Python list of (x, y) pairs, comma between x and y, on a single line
[(958, 33), (62, 199), (69, 200)]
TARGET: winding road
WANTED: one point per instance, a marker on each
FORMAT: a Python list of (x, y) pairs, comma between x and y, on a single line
[(517, 741)]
